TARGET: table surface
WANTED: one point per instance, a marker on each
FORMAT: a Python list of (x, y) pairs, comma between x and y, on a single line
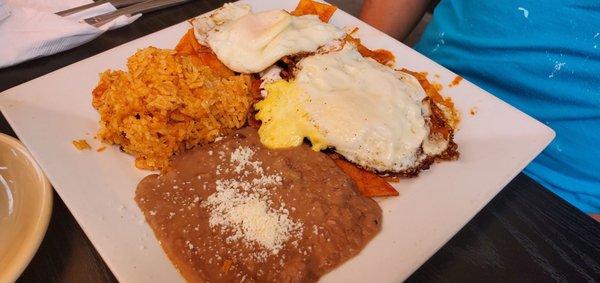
[(525, 233)]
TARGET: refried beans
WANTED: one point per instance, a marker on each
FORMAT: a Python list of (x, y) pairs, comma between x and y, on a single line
[(235, 211)]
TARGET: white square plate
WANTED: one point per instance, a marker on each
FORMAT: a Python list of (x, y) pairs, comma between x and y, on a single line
[(49, 112)]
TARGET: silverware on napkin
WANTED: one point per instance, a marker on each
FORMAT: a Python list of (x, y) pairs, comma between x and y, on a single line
[(116, 3), (143, 7)]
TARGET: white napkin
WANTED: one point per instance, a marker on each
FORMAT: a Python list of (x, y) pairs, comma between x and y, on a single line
[(29, 28)]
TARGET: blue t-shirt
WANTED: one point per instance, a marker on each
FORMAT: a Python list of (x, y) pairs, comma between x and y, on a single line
[(542, 57)]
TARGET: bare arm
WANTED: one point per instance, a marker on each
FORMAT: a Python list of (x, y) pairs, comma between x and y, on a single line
[(394, 17)]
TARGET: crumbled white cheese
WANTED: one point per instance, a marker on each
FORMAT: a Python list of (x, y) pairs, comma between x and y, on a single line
[(241, 156), (249, 216), (243, 207)]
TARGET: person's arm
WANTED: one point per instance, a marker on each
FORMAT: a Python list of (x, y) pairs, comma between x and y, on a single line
[(394, 17)]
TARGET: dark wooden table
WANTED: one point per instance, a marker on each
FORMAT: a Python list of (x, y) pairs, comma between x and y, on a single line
[(525, 233)]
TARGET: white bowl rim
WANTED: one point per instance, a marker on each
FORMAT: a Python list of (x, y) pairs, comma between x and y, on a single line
[(32, 241)]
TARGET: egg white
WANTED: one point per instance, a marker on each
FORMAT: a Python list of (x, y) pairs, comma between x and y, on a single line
[(249, 42)]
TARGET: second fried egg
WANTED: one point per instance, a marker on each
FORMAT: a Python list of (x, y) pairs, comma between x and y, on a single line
[(371, 114)]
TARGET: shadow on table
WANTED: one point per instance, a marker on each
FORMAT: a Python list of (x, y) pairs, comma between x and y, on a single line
[(66, 255), (517, 226)]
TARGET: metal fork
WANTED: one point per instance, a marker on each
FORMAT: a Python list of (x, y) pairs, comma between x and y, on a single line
[(143, 7), (116, 3)]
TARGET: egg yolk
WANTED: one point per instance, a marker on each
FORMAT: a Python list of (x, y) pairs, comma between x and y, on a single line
[(285, 123)]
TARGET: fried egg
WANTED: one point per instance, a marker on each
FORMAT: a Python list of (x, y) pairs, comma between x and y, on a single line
[(371, 114), (249, 42)]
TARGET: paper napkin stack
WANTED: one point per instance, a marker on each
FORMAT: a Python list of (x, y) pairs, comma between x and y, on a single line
[(29, 28)]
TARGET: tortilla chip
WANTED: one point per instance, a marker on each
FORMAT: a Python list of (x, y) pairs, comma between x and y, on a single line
[(369, 184), (309, 7), (188, 43), (382, 56), (201, 55)]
